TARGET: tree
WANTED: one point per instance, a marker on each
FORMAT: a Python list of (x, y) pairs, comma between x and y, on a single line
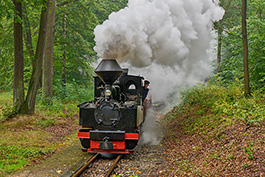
[(29, 104), (219, 47), (27, 33), (18, 90), (47, 74), (245, 47), (64, 54), (220, 26), (232, 46)]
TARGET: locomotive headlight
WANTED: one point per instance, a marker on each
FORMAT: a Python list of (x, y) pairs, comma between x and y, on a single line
[(107, 92)]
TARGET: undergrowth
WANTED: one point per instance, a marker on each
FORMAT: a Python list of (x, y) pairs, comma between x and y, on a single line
[(14, 157), (228, 103)]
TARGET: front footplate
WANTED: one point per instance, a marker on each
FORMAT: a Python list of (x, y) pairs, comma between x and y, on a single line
[(108, 141)]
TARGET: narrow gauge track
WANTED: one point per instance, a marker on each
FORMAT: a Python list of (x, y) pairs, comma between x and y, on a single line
[(87, 165)]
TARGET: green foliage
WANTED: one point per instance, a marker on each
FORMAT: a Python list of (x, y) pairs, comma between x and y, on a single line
[(44, 123), (249, 150), (73, 92), (7, 113), (257, 51), (6, 43), (14, 157), (81, 19), (78, 42), (103, 8), (232, 64), (22, 147), (6, 110), (67, 97), (228, 102)]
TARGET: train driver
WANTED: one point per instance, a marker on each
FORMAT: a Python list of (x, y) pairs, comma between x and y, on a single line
[(145, 90), (146, 97)]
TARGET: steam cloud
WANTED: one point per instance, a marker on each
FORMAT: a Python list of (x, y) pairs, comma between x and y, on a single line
[(166, 41), (168, 32)]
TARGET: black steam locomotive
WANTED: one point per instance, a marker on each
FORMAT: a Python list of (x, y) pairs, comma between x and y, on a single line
[(112, 122)]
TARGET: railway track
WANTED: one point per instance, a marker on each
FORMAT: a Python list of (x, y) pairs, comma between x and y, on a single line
[(84, 170)]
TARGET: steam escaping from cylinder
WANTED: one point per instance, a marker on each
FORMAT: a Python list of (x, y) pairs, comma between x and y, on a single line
[(169, 42), (151, 131)]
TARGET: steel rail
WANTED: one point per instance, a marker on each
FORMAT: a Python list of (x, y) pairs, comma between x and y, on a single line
[(113, 166), (84, 167)]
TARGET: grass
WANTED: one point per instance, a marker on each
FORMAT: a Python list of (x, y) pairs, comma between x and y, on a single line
[(25, 140), (14, 157), (22, 144)]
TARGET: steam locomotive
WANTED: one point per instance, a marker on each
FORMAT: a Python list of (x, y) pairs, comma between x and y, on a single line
[(112, 122)]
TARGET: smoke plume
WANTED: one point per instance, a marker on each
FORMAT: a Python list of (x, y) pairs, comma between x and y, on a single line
[(168, 39)]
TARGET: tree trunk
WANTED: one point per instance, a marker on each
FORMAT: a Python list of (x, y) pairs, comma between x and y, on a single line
[(18, 89), (29, 104), (64, 52), (47, 75), (245, 47), (27, 36), (219, 48)]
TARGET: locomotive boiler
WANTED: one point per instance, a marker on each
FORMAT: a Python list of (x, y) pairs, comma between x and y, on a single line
[(112, 122)]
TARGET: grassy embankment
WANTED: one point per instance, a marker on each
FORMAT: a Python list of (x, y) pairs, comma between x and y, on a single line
[(216, 131), (25, 140)]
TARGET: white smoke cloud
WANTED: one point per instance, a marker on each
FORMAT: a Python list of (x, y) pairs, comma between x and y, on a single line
[(167, 32), (168, 40)]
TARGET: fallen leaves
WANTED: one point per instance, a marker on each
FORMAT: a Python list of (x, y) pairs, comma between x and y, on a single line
[(59, 171)]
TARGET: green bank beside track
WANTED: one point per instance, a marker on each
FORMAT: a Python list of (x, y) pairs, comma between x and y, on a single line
[(216, 131)]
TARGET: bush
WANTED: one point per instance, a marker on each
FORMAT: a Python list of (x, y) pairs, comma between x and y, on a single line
[(73, 92), (6, 109), (228, 102)]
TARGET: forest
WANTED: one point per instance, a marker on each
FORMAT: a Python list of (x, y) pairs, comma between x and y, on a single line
[(67, 44), (70, 40), (47, 48)]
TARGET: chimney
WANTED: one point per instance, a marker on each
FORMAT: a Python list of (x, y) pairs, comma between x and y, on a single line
[(108, 71)]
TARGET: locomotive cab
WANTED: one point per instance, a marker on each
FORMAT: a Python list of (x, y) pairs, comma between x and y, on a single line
[(111, 122)]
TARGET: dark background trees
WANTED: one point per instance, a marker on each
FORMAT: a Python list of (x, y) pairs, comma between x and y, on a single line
[(51, 49), (232, 66)]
